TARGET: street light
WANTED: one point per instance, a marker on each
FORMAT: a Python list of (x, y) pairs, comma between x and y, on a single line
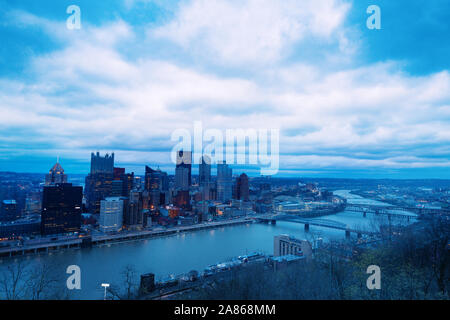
[(105, 285)]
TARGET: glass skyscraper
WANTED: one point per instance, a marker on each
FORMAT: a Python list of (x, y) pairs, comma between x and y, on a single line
[(224, 182), (61, 209)]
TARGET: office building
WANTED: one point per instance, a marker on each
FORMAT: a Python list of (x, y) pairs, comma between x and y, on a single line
[(205, 184), (99, 183), (242, 188), (285, 245), (23, 227), (182, 199), (97, 187), (118, 173), (127, 184), (204, 169), (182, 178), (134, 217), (152, 179), (101, 164), (33, 203), (116, 188), (224, 182), (183, 170), (61, 209), (111, 214), (9, 211), (122, 180), (55, 175), (156, 184)]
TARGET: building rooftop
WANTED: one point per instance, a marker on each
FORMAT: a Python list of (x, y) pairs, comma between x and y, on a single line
[(291, 238), (288, 258), (9, 202), (114, 198), (57, 169)]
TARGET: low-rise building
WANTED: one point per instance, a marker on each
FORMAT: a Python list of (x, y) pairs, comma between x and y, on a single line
[(287, 245)]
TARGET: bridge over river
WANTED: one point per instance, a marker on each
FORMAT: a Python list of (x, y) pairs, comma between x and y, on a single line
[(273, 218), (394, 211)]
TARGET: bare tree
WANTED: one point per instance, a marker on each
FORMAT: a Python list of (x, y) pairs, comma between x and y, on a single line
[(128, 289), (13, 281), (438, 233), (41, 282)]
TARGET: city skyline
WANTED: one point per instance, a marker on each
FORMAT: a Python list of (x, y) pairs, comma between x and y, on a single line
[(82, 168), (349, 101), (230, 158)]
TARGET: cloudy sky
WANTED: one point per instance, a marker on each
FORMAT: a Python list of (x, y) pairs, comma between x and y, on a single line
[(349, 101)]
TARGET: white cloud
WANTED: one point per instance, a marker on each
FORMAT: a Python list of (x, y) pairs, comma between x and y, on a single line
[(89, 95), (252, 31)]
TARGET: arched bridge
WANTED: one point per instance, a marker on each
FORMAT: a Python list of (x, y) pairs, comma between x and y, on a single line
[(395, 211), (312, 222)]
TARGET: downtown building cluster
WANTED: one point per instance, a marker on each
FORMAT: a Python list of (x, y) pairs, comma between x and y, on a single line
[(114, 200)]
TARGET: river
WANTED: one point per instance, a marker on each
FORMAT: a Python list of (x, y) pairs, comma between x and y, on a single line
[(183, 252)]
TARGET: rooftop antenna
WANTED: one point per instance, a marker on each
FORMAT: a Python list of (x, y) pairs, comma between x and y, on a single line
[(57, 159)]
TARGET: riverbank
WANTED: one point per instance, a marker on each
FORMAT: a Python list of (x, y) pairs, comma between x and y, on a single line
[(389, 202), (173, 254), (38, 247)]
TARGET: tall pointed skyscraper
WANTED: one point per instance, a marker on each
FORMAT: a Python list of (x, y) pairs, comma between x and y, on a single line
[(56, 175)]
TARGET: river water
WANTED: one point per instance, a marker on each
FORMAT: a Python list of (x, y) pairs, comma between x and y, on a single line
[(184, 252)]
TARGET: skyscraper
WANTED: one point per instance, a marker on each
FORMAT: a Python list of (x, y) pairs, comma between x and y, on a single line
[(224, 182), (127, 184), (101, 164), (182, 199), (164, 182), (61, 209), (182, 178), (97, 187), (156, 183), (116, 188), (154, 179), (99, 183), (118, 173), (55, 175), (111, 214), (242, 188), (134, 217), (204, 169), (183, 170)]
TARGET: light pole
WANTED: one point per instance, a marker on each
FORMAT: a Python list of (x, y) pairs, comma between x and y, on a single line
[(105, 285)]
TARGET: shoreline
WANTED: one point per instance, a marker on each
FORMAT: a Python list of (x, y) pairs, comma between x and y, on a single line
[(106, 240)]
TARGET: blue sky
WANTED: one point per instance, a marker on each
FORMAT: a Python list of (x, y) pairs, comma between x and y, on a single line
[(349, 101)]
